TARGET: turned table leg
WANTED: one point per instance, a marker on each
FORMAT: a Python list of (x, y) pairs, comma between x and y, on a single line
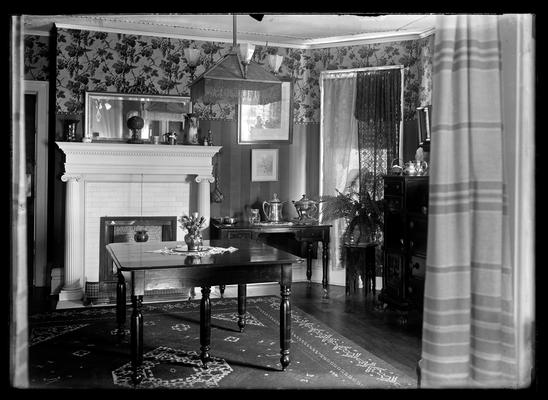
[(370, 270), (309, 246), (205, 325), (242, 293), (285, 325), (325, 264), (137, 338), (121, 303)]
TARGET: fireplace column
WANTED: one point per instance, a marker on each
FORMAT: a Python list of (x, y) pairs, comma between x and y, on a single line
[(72, 288), (204, 202)]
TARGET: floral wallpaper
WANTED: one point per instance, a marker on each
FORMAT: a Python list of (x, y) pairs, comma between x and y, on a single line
[(100, 61), (36, 56)]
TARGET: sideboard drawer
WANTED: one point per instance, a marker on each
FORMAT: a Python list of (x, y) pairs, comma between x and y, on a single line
[(418, 267), (393, 204), (393, 188), (311, 235), (239, 234)]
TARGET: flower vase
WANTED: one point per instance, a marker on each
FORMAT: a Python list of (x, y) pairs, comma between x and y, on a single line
[(194, 241)]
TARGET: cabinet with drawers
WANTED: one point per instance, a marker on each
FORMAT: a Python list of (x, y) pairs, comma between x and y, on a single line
[(405, 239)]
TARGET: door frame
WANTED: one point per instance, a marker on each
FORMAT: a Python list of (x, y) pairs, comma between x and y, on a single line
[(41, 90)]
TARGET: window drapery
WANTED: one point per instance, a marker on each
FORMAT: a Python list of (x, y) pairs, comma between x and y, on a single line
[(469, 329), (378, 110), (338, 146)]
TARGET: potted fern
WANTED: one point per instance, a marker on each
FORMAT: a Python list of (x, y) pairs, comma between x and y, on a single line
[(358, 212)]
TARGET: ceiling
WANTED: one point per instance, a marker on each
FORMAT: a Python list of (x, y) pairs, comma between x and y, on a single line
[(286, 30)]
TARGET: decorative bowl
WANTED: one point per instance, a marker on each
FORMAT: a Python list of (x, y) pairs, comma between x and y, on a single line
[(229, 220)]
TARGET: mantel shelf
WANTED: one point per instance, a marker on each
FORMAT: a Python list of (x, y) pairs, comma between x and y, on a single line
[(123, 158)]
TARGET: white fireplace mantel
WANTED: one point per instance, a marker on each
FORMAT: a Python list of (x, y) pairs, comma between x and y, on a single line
[(123, 158), (122, 162)]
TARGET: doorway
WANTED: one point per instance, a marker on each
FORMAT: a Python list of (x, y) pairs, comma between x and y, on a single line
[(36, 148)]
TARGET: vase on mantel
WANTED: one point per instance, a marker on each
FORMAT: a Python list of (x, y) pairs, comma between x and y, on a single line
[(194, 241), (141, 236)]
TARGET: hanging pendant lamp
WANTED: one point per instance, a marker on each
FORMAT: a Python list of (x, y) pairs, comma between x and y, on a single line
[(235, 78)]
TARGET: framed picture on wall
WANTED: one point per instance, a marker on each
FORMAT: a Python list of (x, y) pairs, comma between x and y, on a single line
[(268, 123), (264, 165), (424, 123)]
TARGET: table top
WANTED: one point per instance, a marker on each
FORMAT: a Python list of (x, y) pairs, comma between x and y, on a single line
[(269, 225), (131, 256)]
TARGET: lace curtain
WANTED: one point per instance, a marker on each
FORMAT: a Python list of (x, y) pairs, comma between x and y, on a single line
[(378, 111), (339, 147)]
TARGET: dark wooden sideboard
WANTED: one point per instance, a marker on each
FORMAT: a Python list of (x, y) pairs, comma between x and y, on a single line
[(405, 235), (298, 239)]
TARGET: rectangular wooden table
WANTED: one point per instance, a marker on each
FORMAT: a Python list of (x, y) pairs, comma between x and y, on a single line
[(252, 262), (266, 231)]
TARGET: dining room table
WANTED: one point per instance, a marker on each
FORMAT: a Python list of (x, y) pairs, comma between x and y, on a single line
[(219, 262)]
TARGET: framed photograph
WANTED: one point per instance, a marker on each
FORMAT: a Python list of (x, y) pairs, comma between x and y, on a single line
[(264, 165), (423, 122), (268, 123)]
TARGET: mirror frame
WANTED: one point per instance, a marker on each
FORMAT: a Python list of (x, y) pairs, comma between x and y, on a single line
[(90, 96)]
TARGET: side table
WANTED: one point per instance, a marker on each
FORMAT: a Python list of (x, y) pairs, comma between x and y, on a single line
[(360, 261)]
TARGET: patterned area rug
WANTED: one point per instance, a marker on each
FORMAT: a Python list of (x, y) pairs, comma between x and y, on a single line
[(79, 348)]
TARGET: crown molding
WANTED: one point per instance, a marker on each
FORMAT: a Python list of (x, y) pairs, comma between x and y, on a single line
[(336, 41), (36, 32)]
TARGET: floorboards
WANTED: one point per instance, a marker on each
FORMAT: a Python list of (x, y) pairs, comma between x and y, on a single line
[(360, 319)]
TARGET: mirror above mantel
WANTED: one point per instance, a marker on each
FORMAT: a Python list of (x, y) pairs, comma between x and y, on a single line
[(106, 116)]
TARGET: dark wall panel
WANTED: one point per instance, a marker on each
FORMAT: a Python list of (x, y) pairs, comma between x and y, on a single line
[(298, 170)]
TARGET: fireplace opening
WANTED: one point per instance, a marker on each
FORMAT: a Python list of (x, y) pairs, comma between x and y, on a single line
[(122, 229)]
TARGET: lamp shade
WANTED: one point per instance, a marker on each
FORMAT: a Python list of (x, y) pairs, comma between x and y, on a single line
[(246, 52), (275, 62), (225, 82), (192, 56)]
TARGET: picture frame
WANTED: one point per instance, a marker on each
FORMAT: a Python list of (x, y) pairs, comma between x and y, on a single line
[(424, 122), (267, 124), (264, 165)]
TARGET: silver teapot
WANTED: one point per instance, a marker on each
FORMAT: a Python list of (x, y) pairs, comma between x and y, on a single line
[(274, 206), (306, 208), (413, 168)]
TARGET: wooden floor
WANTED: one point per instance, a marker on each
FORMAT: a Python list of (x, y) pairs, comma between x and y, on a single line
[(362, 320), (355, 316)]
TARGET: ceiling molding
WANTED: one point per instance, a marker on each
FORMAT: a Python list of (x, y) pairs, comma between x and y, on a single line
[(368, 39), (308, 32), (36, 32), (337, 41)]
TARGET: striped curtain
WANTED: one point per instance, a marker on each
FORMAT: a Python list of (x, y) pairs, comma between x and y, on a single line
[(468, 327), (18, 325)]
